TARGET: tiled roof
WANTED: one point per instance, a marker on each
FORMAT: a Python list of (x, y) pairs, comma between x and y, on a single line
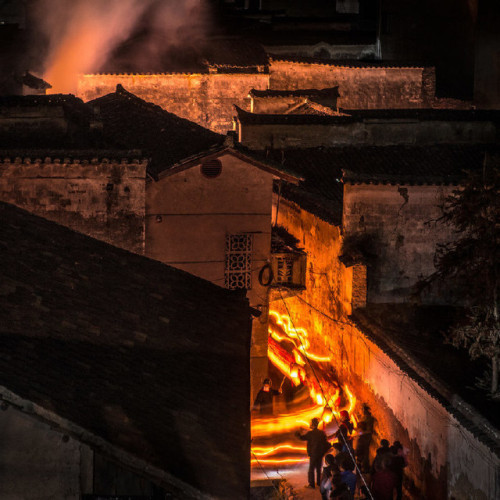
[(34, 82), (352, 116), (326, 169), (321, 190), (70, 156), (433, 164), (248, 118), (311, 108), (322, 93), (283, 242), (128, 349), (413, 338), (343, 63), (46, 121), (129, 121)]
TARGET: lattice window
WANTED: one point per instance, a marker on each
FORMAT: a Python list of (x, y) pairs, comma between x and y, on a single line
[(238, 261), (285, 270)]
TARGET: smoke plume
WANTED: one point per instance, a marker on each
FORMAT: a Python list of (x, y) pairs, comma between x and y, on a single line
[(81, 35)]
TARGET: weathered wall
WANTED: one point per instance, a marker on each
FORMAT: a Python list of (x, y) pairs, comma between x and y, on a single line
[(188, 218), (105, 200), (360, 87), (206, 99), (445, 459), (328, 281), (36, 463), (369, 133), (403, 222)]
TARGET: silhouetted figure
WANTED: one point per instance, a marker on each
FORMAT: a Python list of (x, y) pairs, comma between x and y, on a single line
[(381, 453), (384, 480), (264, 400), (365, 429), (329, 470), (340, 491), (317, 446), (397, 465), (348, 476), (344, 433)]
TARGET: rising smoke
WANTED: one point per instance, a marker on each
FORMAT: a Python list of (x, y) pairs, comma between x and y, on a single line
[(82, 35)]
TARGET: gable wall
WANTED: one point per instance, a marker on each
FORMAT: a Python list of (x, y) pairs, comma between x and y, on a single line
[(196, 215), (102, 200)]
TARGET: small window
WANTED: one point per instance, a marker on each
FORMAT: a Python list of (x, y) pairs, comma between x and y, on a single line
[(238, 261), (211, 168)]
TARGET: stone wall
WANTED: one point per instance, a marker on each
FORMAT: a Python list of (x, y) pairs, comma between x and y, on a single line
[(445, 459), (105, 200), (402, 221), (359, 87), (206, 99)]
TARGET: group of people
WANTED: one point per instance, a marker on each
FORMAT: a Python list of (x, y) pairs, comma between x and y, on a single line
[(337, 479)]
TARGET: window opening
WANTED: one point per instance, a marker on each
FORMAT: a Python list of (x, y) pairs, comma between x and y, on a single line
[(238, 273)]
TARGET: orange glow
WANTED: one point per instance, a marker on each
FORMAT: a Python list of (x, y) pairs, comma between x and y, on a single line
[(263, 451), (298, 336), (284, 461), (325, 401)]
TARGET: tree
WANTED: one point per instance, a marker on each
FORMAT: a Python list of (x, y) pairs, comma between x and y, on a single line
[(470, 264)]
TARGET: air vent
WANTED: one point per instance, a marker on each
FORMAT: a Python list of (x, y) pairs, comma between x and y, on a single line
[(211, 168)]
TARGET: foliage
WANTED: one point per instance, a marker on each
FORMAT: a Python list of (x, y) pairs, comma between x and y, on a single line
[(471, 264)]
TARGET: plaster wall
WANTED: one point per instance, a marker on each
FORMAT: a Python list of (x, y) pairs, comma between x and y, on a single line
[(403, 222), (103, 200), (196, 215), (36, 463), (369, 133), (206, 99), (360, 87), (445, 459)]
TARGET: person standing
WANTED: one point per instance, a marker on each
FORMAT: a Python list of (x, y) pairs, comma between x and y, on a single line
[(344, 432), (264, 399), (384, 481), (317, 446), (397, 466), (365, 428)]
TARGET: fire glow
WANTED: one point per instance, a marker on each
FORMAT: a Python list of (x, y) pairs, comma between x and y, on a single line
[(289, 349)]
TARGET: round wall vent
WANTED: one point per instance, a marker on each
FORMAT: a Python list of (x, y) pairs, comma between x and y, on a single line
[(211, 168)]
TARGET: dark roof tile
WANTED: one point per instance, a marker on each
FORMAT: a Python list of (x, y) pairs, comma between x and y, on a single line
[(129, 121), (100, 329)]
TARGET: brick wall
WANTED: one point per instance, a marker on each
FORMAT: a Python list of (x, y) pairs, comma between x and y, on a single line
[(105, 200)]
